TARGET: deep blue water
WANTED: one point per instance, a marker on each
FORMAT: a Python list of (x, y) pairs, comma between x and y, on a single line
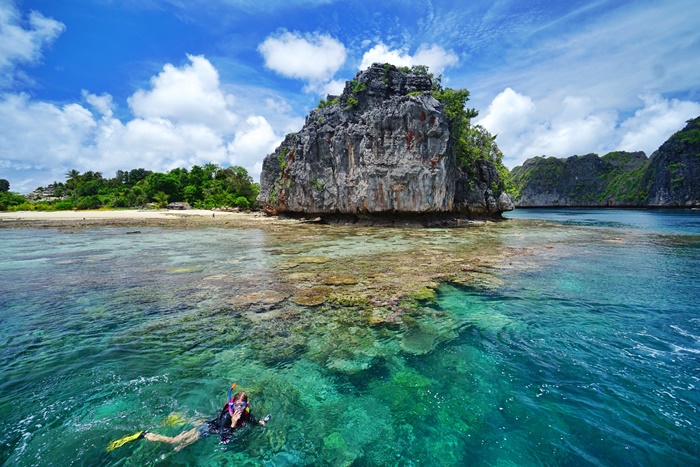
[(678, 221), (590, 355)]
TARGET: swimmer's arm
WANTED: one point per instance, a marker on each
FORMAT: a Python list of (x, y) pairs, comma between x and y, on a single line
[(255, 421)]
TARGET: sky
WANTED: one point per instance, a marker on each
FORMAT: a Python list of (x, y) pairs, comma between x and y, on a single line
[(107, 85)]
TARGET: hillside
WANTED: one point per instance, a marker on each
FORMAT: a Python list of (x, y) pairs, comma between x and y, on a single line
[(669, 178)]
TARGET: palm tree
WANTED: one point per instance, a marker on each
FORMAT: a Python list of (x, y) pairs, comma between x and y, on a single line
[(72, 176), (160, 198)]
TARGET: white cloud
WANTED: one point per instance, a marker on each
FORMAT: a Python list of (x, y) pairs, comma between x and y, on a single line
[(655, 122), (23, 46), (314, 58), (39, 134), (257, 138), (183, 120), (103, 104), (433, 56), (190, 94), (509, 112), (613, 56), (335, 87), (381, 53)]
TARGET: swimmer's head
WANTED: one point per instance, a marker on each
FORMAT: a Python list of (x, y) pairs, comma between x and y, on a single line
[(239, 401)]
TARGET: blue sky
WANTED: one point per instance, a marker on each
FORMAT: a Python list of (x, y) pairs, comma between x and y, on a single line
[(105, 85)]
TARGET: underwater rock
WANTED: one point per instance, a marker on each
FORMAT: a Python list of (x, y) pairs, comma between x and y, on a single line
[(418, 342), (351, 365), (312, 259), (336, 449), (264, 297), (185, 269), (340, 280), (300, 276), (309, 300)]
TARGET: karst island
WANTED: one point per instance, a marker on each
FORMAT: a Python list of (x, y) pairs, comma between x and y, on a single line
[(395, 147)]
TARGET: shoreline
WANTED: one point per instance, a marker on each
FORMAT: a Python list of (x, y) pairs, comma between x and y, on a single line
[(145, 218), (197, 218)]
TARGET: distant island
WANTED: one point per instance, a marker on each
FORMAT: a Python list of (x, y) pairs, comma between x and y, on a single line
[(669, 178)]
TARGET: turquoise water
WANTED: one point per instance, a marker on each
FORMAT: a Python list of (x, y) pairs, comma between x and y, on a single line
[(587, 355)]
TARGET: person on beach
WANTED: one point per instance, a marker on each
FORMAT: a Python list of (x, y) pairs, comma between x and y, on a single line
[(235, 414)]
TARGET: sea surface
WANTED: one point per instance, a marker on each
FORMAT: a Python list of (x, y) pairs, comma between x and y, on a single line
[(587, 353)]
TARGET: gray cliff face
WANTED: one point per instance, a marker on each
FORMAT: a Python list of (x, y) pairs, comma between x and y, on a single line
[(383, 148), (674, 169), (669, 178), (579, 181)]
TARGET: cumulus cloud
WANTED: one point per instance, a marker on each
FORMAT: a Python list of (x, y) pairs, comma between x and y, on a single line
[(563, 127), (433, 56), (102, 104), (508, 111), (21, 42), (182, 120), (190, 94), (314, 58), (652, 124), (258, 137)]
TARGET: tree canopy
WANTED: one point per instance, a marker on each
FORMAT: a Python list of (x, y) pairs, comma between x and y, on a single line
[(202, 187), (472, 143)]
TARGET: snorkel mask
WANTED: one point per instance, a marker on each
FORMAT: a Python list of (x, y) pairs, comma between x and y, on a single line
[(238, 405)]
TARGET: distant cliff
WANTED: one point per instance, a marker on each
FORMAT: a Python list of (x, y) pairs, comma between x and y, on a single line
[(669, 178), (384, 149), (590, 180), (673, 176)]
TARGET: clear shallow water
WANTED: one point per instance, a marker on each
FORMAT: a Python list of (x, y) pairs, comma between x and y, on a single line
[(585, 358)]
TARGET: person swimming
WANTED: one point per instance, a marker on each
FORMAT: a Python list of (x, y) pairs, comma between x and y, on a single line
[(235, 414)]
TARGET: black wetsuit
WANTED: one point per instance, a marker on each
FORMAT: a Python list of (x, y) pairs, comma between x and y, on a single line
[(221, 425)]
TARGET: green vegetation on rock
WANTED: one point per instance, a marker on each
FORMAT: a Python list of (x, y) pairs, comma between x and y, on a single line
[(690, 134), (616, 179), (471, 143), (322, 104)]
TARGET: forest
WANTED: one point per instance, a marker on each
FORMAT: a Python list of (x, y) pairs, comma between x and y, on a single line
[(206, 187)]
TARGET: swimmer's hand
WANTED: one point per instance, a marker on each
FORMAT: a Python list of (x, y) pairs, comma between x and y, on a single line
[(265, 420), (236, 415)]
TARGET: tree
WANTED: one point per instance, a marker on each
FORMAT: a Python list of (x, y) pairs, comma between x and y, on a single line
[(167, 183), (161, 199), (72, 177), (4, 185), (9, 199), (471, 143)]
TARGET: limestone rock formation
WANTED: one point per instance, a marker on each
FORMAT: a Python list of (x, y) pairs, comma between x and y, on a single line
[(673, 175), (669, 178), (589, 180), (380, 150)]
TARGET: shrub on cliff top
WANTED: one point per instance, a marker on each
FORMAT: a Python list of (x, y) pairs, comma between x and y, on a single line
[(471, 143)]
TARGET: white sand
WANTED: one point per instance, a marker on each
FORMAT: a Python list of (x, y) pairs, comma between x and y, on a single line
[(126, 214)]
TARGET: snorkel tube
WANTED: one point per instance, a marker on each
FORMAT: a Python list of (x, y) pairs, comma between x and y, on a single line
[(230, 399)]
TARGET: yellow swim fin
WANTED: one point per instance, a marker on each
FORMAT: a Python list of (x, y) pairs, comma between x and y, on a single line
[(174, 419), (122, 441)]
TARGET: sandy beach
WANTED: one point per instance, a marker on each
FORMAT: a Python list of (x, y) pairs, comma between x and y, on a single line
[(117, 218)]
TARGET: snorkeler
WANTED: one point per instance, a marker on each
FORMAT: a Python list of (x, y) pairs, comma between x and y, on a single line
[(235, 414)]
